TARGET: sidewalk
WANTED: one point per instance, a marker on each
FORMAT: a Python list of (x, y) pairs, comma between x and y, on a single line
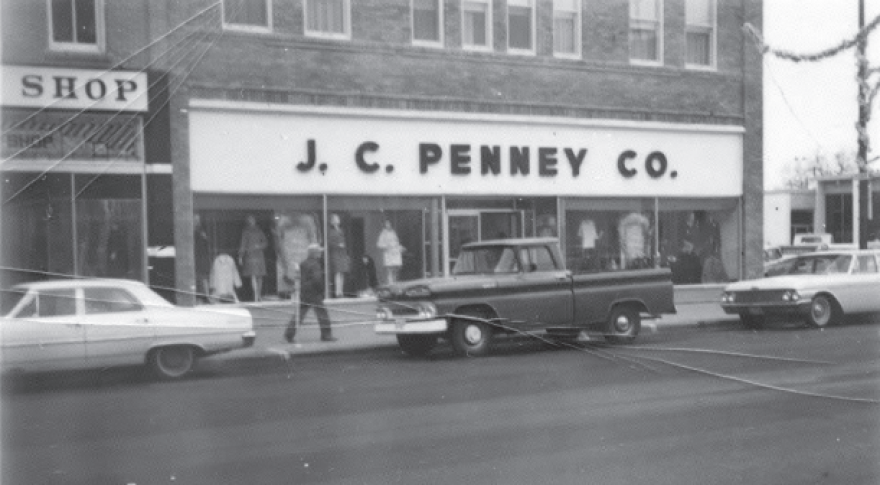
[(353, 327)]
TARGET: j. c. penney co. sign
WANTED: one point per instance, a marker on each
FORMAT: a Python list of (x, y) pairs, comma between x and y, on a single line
[(243, 148), (81, 89)]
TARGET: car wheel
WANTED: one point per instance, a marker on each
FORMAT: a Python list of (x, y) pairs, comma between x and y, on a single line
[(471, 337), (417, 345), (172, 362), (822, 311), (751, 322), (624, 324)]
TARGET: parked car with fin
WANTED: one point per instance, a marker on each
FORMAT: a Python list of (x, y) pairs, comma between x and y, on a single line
[(95, 323), (819, 287)]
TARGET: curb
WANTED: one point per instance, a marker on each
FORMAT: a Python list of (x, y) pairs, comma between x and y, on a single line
[(286, 352)]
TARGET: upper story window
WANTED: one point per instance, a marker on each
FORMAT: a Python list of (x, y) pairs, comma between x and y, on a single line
[(645, 31), (328, 18), (700, 32), (521, 26), (476, 24), (427, 22), (76, 25), (255, 15), (566, 28)]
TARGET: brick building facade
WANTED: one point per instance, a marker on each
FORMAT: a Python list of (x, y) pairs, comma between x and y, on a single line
[(625, 128)]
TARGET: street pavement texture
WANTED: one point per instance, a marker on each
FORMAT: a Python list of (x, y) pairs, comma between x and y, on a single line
[(784, 405), (352, 324)]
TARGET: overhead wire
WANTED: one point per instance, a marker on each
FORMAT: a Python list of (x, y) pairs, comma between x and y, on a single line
[(187, 50), (121, 63)]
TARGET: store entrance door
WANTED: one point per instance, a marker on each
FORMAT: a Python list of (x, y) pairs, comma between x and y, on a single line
[(477, 225)]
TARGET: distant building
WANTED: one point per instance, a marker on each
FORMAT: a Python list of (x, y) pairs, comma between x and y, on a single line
[(786, 213), (829, 207), (625, 128)]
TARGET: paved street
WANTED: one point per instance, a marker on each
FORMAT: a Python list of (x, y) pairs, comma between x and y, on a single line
[(697, 405)]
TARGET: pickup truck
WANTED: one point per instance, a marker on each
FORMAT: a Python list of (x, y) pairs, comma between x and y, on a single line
[(509, 286)]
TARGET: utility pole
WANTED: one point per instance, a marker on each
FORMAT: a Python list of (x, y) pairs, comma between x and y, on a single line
[(865, 211)]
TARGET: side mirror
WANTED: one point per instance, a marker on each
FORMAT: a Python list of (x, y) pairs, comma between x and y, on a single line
[(532, 268)]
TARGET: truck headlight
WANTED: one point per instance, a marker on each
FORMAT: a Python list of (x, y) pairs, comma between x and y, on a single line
[(384, 313), (427, 310)]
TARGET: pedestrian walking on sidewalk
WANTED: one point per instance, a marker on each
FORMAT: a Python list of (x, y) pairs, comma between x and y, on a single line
[(311, 295)]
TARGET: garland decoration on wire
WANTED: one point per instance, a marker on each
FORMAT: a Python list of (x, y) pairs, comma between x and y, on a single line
[(818, 56)]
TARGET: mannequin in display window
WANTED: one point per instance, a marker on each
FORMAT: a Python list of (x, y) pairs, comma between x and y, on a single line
[(251, 255), (589, 236), (634, 231), (392, 252), (339, 260)]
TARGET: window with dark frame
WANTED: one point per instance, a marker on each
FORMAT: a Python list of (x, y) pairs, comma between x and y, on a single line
[(520, 25), (426, 21), (328, 18), (644, 30), (75, 23), (566, 27), (476, 24), (246, 13), (700, 32)]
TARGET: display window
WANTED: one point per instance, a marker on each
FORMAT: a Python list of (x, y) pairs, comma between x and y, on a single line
[(37, 226), (609, 235), (109, 226), (699, 240), (374, 241), (67, 225), (249, 248)]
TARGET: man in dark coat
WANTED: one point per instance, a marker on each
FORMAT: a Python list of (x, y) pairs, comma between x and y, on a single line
[(687, 269), (311, 295)]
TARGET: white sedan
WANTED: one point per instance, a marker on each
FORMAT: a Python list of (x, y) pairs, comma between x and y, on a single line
[(77, 324), (818, 287)]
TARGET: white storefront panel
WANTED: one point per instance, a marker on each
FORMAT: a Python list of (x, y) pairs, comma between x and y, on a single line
[(262, 149)]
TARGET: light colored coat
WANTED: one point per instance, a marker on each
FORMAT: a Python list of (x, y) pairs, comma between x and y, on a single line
[(391, 249), (224, 277)]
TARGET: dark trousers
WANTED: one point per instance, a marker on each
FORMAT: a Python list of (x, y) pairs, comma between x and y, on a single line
[(320, 312)]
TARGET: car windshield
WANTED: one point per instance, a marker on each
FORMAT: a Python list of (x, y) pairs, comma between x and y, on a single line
[(9, 299), (486, 260), (821, 264)]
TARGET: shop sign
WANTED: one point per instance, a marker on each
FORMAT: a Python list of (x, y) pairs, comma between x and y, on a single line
[(81, 89), (64, 135), (307, 153)]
